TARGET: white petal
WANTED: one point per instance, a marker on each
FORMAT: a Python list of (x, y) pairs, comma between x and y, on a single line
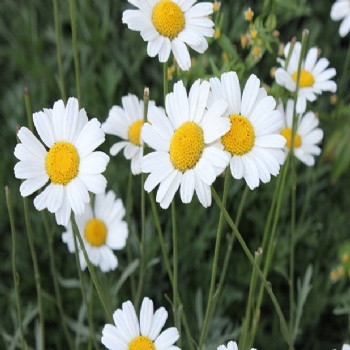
[(29, 186), (181, 54), (250, 94), (94, 163), (187, 186), (146, 316), (94, 183)]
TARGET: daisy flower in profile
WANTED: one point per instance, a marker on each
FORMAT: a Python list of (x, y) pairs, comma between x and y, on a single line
[(102, 229), (126, 122), (69, 163), (232, 345), (253, 142), (184, 155), (129, 333), (314, 75), (168, 25), (307, 135), (341, 11)]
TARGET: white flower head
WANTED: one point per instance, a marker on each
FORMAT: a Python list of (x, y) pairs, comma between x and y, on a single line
[(129, 332), (232, 345), (253, 142), (126, 122), (345, 347), (102, 229), (184, 155), (307, 136), (70, 164), (168, 25), (314, 76), (341, 11)]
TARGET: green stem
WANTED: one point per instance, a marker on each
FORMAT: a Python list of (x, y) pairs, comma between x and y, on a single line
[(168, 268), (128, 220), (92, 271), (270, 250), (165, 79), (75, 47), (59, 51), (344, 77), (143, 213), (175, 262), (283, 323), (83, 292), (14, 269), (58, 298), (36, 271), (211, 296), (294, 185)]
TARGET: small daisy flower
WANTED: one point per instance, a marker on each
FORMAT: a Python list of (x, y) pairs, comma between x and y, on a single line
[(126, 122), (168, 25), (102, 229), (129, 333), (248, 14), (184, 156), (307, 135), (314, 75), (253, 142), (232, 345), (341, 11), (70, 163)]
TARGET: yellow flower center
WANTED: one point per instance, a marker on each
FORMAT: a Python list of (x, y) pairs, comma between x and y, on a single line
[(306, 78), (62, 163), (168, 18), (239, 140), (141, 343), (287, 133), (95, 232), (134, 132), (186, 146)]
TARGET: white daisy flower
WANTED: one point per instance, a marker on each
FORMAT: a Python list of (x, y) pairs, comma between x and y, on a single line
[(168, 25), (70, 163), (184, 156), (232, 345), (126, 122), (314, 77), (130, 333), (307, 135), (341, 11), (102, 229), (253, 142)]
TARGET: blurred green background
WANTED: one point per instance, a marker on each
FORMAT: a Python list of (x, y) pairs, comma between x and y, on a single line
[(113, 63)]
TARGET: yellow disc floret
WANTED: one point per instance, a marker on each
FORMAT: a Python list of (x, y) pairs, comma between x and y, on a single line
[(306, 78), (141, 343), (62, 163), (239, 140), (134, 132), (168, 18), (186, 146), (95, 232), (287, 133)]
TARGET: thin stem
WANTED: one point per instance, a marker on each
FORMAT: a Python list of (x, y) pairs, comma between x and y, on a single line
[(284, 327), (343, 78), (14, 269), (175, 262), (165, 79), (75, 47), (59, 51), (128, 220), (143, 214), (58, 298), (83, 292), (210, 304), (36, 271), (168, 268), (294, 185), (92, 271)]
